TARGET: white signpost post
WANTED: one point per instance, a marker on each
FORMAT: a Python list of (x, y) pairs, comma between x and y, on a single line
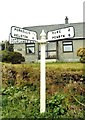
[(42, 43), (63, 33)]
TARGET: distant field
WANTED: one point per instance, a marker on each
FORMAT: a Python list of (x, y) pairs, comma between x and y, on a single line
[(69, 65), (74, 66)]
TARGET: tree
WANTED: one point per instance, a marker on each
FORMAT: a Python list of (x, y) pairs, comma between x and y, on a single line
[(5, 45), (2, 46), (9, 46)]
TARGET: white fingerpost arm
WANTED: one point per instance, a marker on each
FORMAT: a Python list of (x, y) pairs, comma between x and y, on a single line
[(43, 73)]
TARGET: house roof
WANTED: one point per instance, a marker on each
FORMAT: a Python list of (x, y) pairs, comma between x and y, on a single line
[(79, 29)]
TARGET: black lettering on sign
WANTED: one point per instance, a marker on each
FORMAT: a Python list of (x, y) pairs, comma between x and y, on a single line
[(69, 29), (59, 31), (69, 35), (54, 37)]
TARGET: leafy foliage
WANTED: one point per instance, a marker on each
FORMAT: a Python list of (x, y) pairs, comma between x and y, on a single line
[(5, 45), (2, 46), (23, 102), (82, 59), (13, 57), (21, 99), (57, 105), (19, 102), (81, 53)]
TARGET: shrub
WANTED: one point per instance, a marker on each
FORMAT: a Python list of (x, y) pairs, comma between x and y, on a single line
[(81, 54), (5, 56), (17, 58), (82, 59), (13, 57)]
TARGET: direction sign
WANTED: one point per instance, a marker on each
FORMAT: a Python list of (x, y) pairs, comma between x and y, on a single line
[(19, 41), (19, 33), (63, 33)]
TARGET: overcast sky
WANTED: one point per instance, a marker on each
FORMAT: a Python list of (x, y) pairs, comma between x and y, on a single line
[(23, 13)]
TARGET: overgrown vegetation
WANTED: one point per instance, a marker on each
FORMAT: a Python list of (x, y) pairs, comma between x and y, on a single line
[(12, 57), (64, 91)]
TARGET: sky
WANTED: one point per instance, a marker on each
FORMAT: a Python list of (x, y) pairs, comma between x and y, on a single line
[(24, 13)]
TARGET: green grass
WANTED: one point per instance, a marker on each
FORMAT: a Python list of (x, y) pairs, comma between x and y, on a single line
[(73, 65), (66, 66)]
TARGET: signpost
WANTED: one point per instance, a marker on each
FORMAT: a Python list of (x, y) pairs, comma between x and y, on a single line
[(42, 43), (59, 34), (18, 40), (19, 33)]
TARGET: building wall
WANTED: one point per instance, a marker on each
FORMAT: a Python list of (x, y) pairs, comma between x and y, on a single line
[(60, 55), (21, 48), (54, 50), (70, 56)]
